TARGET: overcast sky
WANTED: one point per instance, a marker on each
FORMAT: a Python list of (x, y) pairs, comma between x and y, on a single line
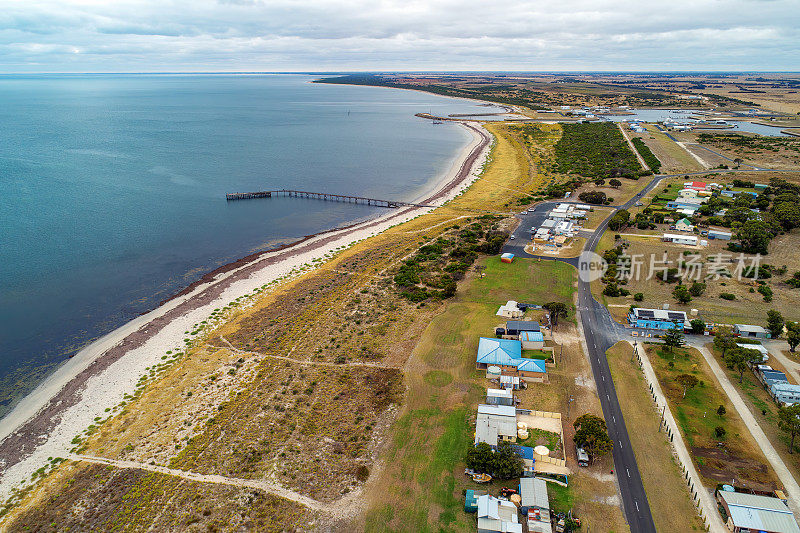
[(325, 35)]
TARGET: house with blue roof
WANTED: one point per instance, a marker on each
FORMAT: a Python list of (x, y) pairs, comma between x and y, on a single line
[(506, 354)]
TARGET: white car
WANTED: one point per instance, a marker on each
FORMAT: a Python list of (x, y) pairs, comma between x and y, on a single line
[(512, 237)]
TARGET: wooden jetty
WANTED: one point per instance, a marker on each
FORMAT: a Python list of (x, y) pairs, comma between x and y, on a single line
[(321, 196)]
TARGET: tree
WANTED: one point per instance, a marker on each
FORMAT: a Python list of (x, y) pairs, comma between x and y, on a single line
[(557, 310), (593, 197), (774, 323), (740, 359), (639, 296), (506, 463), (793, 335), (681, 293), (789, 421), (479, 458), (619, 220), (614, 182), (698, 326), (592, 435), (687, 381), (719, 432), (724, 341), (502, 463), (673, 338), (753, 236), (697, 289), (721, 411)]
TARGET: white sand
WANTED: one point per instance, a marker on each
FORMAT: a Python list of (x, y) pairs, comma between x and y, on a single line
[(106, 389)]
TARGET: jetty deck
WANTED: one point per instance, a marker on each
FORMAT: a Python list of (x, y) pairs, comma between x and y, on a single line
[(376, 202)]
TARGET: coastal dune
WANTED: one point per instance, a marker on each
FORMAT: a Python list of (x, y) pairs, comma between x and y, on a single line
[(44, 423)]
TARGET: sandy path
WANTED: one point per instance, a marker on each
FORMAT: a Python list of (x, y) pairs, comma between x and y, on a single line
[(43, 424), (266, 486), (679, 446), (784, 474), (633, 148)]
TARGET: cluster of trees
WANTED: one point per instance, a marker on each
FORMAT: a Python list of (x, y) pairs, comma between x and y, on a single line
[(684, 294), (648, 156), (502, 463), (436, 267), (591, 434), (594, 197), (557, 310), (595, 149), (619, 220)]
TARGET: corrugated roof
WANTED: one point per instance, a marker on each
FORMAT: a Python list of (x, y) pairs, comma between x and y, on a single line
[(531, 336), (507, 352), (523, 325), (534, 492), (760, 512), (658, 314), (749, 328)]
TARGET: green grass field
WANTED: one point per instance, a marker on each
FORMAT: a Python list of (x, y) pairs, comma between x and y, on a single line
[(425, 458)]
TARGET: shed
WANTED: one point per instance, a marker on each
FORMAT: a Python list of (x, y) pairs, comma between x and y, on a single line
[(471, 501), (749, 330), (785, 393), (721, 235), (758, 347), (509, 382), (531, 340), (507, 258), (499, 397), (752, 512), (680, 239), (515, 327)]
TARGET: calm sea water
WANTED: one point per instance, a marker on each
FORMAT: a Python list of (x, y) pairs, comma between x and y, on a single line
[(112, 188)]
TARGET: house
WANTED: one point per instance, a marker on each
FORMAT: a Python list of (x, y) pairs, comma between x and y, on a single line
[(499, 397), (689, 240), (684, 224), (754, 332), (497, 516), (565, 227), (769, 377), (760, 348), (510, 310), (535, 504), (695, 185), (656, 318), (785, 393), (506, 354), (528, 460), (496, 423), (515, 327), (721, 235), (752, 512), (531, 340)]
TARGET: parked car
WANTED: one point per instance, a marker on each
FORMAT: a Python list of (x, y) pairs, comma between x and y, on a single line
[(583, 457), (512, 237)]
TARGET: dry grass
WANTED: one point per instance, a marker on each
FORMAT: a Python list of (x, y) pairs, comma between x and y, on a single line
[(667, 493), (748, 307), (674, 158), (718, 460), (99, 498)]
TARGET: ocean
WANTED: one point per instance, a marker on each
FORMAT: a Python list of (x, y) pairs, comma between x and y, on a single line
[(112, 188)]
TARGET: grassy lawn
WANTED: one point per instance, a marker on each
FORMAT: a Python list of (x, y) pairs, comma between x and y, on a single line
[(718, 459), (536, 354), (764, 409), (669, 498), (432, 437)]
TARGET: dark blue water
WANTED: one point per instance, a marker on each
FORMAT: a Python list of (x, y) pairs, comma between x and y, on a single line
[(112, 188)]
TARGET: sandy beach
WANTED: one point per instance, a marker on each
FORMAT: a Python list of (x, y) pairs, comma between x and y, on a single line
[(44, 423)]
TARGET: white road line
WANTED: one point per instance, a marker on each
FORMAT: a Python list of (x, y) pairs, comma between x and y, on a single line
[(629, 472), (637, 505)]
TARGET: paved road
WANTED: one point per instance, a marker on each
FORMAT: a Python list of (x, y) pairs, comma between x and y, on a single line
[(601, 332)]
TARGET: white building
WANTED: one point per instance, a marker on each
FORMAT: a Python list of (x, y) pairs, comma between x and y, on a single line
[(496, 423), (689, 240), (497, 516), (510, 310)]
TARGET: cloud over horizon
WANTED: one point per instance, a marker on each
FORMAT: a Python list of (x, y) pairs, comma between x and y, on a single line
[(324, 35)]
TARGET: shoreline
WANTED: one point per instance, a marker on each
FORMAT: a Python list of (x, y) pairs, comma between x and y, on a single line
[(43, 423)]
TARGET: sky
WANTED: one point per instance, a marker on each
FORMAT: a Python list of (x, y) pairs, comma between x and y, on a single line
[(392, 35)]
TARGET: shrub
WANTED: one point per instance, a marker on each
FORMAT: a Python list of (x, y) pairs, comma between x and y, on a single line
[(727, 296), (638, 296)]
